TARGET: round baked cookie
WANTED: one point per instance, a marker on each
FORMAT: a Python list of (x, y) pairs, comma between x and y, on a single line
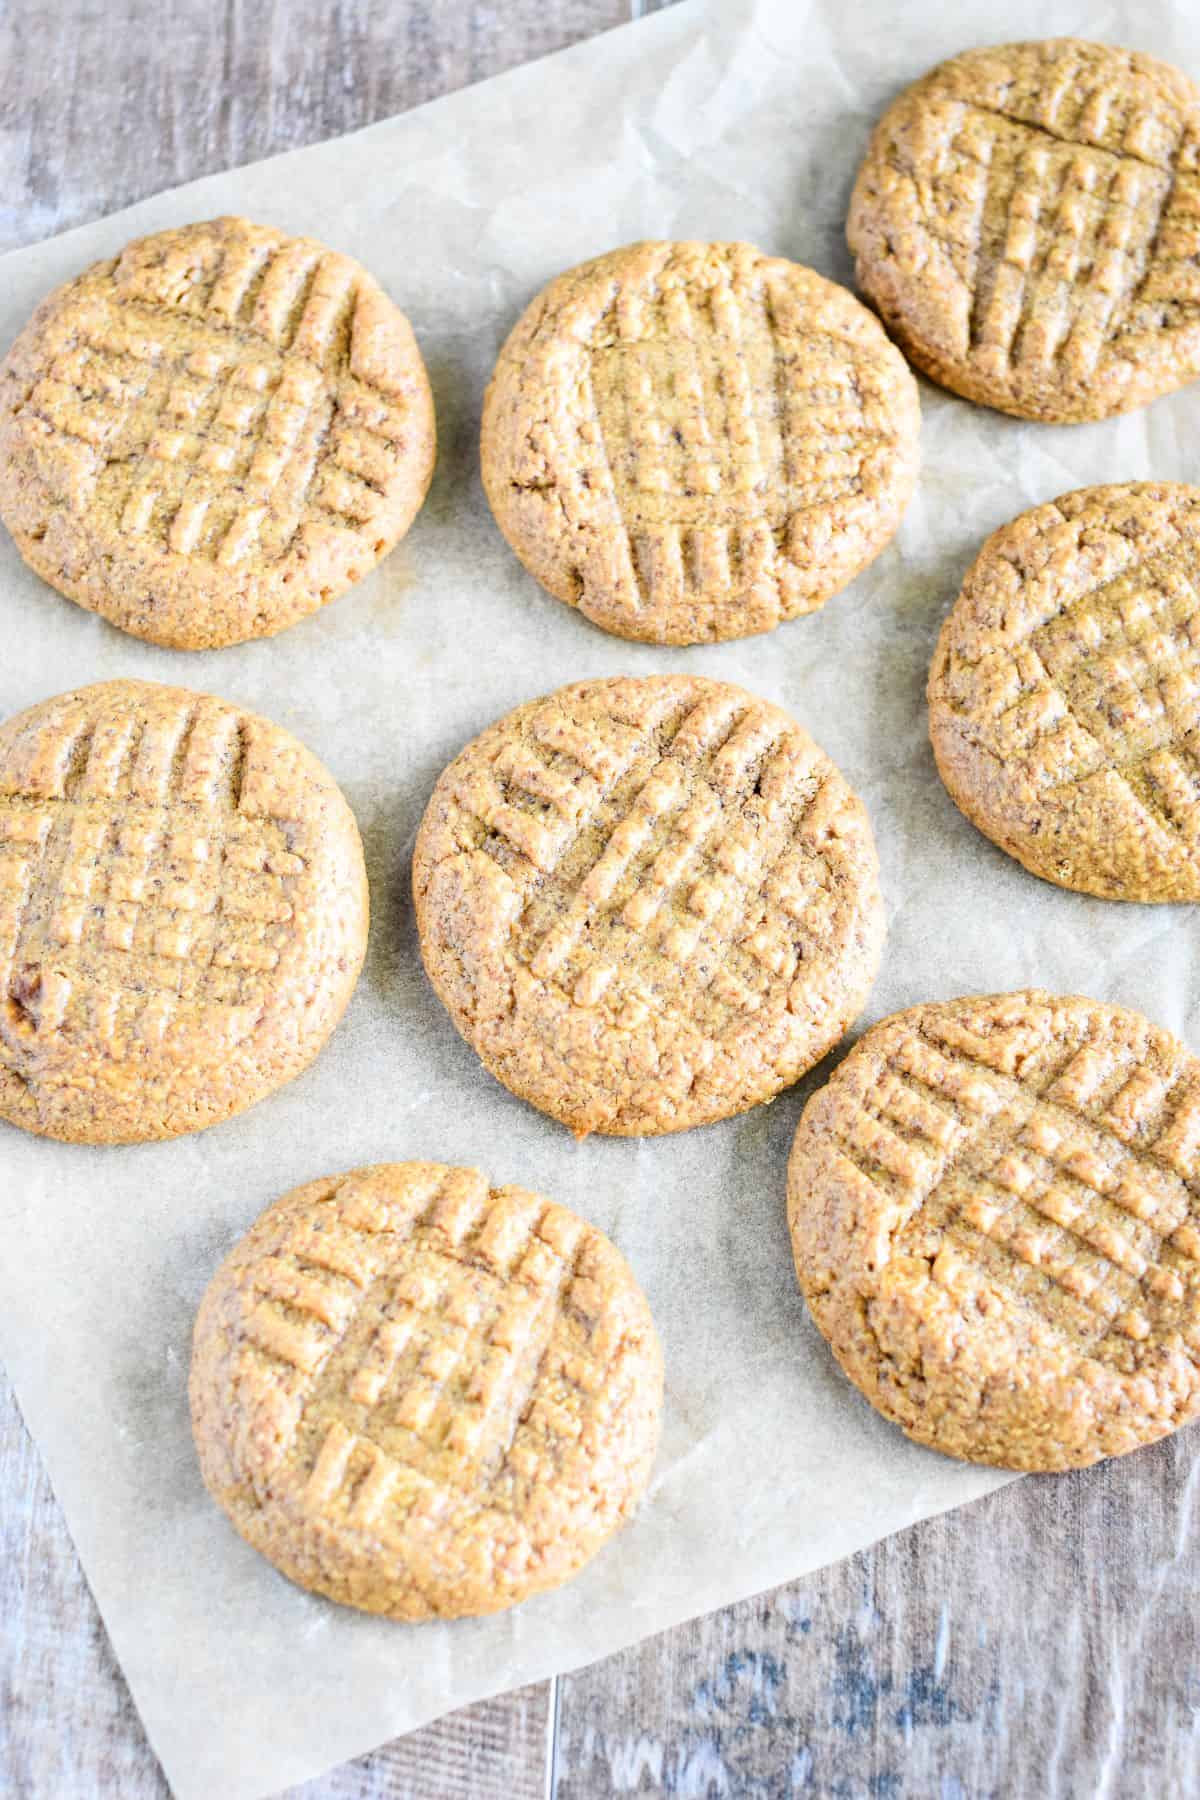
[(993, 1206), (697, 441), (1064, 696), (207, 437), (422, 1395), (647, 903), (1026, 222), (183, 912)]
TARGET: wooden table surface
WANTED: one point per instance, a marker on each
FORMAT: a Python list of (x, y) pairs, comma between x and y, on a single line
[(1040, 1643)]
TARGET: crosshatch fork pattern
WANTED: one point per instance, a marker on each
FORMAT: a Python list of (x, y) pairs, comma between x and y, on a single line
[(922, 1562), (219, 425), (693, 441), (1094, 671), (1113, 680), (676, 859), (427, 1345), (136, 847), (1062, 238), (706, 440), (1057, 190), (693, 402), (1061, 1171)]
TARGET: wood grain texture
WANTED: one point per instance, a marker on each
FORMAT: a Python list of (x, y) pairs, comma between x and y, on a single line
[(66, 1722), (1041, 1643), (68, 1728), (119, 99)]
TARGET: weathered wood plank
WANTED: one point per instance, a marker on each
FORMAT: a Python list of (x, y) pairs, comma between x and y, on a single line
[(498, 1748), (117, 100), (1041, 1642), (1044, 1642), (67, 1724)]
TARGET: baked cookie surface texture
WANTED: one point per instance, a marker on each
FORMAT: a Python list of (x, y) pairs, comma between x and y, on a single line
[(424, 1396), (993, 1206), (647, 903), (1027, 220), (1064, 696), (697, 441), (183, 912), (209, 436)]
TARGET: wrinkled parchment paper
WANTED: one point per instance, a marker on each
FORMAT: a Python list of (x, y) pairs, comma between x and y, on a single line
[(737, 120)]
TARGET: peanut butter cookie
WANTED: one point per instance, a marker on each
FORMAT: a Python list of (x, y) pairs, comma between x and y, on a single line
[(697, 441), (647, 903), (424, 1396), (183, 912), (1064, 697), (993, 1206), (207, 437), (1027, 221)]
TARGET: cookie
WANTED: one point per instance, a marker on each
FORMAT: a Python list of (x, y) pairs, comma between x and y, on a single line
[(1027, 221), (993, 1206), (697, 441), (1064, 697), (424, 1396), (183, 912), (207, 437), (647, 903)]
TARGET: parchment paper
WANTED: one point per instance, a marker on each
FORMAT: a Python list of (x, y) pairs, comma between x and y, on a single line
[(736, 120)]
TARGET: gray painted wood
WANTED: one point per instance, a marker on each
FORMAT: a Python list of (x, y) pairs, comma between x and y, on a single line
[(118, 99), (1043, 1642), (67, 1724)]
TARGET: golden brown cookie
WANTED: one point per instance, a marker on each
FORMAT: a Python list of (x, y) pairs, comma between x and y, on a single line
[(1064, 697), (1026, 221), (697, 441), (424, 1396), (207, 437), (647, 903), (183, 912), (993, 1206)]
